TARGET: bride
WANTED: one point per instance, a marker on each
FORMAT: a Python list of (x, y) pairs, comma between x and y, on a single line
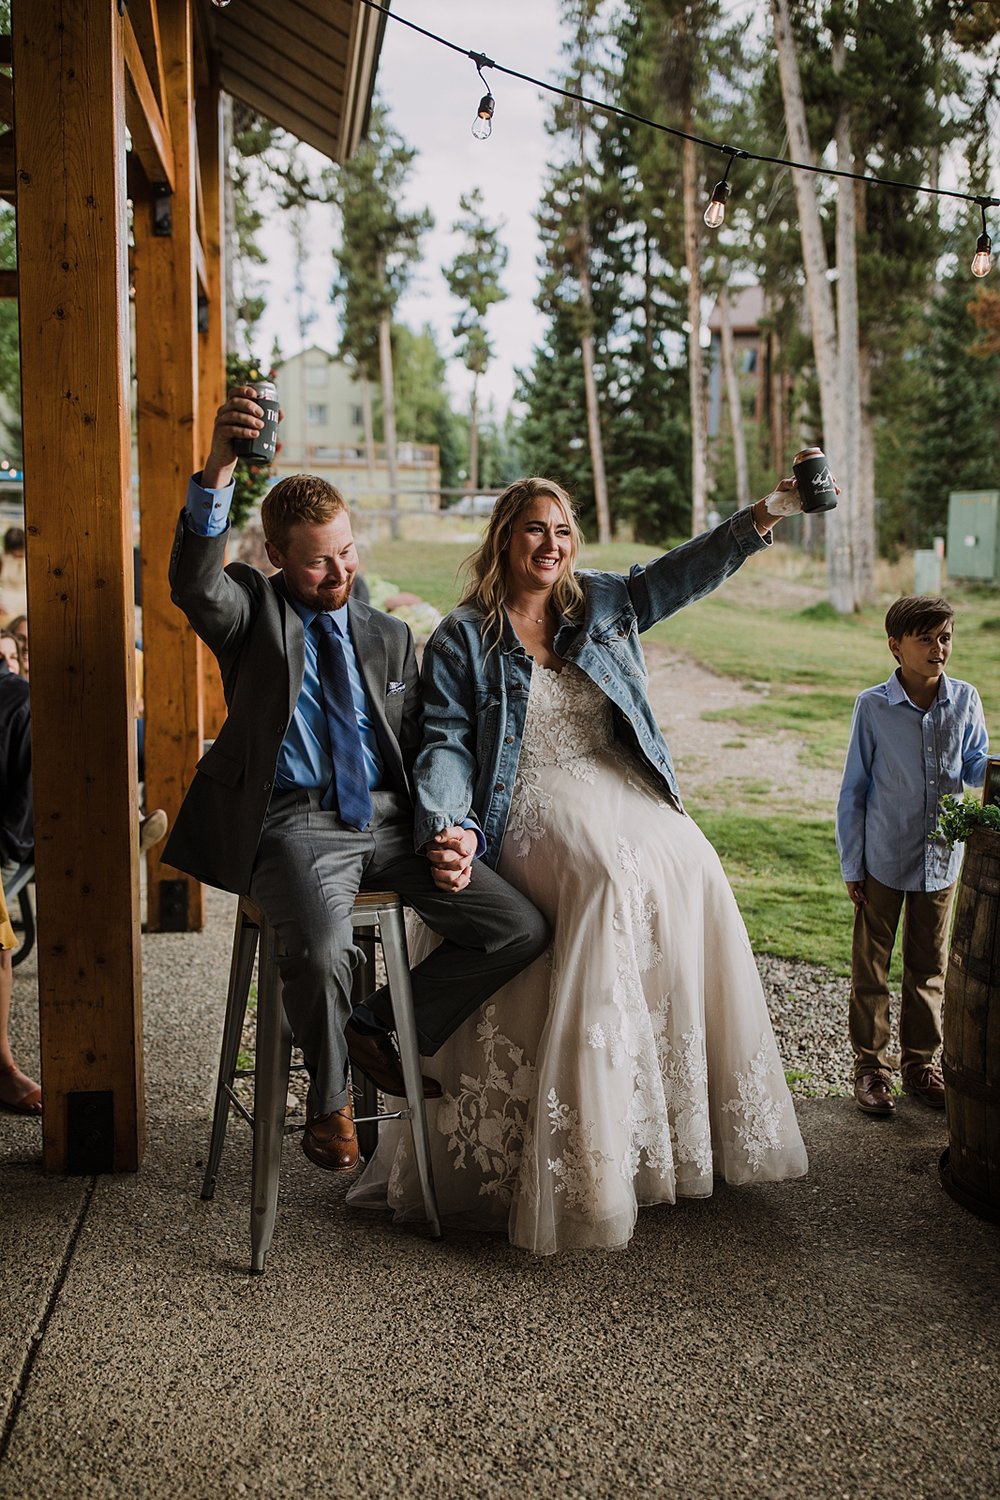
[(635, 1059)]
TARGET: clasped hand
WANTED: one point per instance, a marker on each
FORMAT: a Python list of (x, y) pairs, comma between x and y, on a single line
[(451, 853)]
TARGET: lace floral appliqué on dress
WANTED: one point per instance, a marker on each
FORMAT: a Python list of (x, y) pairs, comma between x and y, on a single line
[(635, 1059)]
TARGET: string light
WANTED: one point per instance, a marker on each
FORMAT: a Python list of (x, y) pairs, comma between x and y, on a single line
[(482, 125), (982, 261), (716, 210), (983, 249), (220, 4)]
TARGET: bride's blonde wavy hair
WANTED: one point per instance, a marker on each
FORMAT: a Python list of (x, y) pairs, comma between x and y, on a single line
[(486, 588)]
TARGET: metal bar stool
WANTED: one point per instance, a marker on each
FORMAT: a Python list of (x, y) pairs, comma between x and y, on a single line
[(377, 917)]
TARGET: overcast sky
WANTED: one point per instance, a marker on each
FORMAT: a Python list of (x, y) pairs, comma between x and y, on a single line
[(432, 93)]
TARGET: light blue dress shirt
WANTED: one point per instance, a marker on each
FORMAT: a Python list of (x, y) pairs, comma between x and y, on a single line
[(304, 757), (901, 761)]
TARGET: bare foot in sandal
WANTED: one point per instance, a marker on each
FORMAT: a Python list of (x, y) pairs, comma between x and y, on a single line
[(19, 1094)]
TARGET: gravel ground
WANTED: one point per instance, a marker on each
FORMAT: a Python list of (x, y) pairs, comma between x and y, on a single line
[(808, 1008)]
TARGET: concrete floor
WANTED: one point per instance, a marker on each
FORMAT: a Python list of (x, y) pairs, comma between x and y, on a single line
[(835, 1336)]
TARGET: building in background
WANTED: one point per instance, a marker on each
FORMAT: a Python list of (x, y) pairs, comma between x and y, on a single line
[(765, 387), (323, 432)]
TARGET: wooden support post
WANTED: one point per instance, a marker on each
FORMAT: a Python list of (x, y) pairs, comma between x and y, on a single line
[(69, 103), (212, 335), (167, 400)]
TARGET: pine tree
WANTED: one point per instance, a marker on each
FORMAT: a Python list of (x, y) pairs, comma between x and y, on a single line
[(956, 444), (380, 244), (423, 409), (572, 222), (474, 279)]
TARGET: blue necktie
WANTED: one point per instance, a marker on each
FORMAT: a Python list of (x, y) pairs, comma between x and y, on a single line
[(348, 789)]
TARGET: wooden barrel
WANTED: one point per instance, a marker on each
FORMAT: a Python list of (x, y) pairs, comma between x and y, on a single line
[(970, 1168)]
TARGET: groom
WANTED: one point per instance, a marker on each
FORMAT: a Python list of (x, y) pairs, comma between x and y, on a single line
[(305, 796)]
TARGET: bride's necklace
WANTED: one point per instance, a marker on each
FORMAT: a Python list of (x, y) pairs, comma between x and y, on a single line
[(535, 620)]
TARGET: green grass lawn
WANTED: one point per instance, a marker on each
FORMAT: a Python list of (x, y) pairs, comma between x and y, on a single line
[(770, 626)]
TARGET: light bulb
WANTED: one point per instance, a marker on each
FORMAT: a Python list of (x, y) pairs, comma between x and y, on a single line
[(482, 125), (982, 261), (716, 210), (220, 4)]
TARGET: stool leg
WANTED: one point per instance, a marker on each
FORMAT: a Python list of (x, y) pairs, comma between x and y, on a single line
[(274, 1054), (364, 978), (397, 971), (241, 968)]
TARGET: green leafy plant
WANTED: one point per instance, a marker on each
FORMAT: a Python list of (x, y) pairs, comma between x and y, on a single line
[(961, 816)]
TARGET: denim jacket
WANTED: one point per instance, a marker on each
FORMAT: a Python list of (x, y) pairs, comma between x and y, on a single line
[(475, 700)]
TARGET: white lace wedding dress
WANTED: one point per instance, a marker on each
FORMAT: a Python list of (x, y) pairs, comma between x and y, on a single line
[(635, 1058)]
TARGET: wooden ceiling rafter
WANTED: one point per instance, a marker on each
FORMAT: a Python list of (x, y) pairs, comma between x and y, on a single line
[(144, 19), (149, 129)]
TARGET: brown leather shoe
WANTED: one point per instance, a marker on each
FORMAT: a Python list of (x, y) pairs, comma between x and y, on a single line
[(331, 1141), (378, 1060), (873, 1094), (925, 1084)]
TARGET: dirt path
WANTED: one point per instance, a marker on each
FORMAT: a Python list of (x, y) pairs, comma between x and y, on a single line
[(721, 760)]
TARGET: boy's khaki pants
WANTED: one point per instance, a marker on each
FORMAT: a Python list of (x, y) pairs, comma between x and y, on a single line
[(926, 925)]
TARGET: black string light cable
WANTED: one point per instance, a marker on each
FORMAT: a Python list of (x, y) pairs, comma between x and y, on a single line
[(715, 213)]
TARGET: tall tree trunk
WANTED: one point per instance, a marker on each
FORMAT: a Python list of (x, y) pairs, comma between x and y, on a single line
[(595, 439), (821, 314), (389, 421), (368, 423), (594, 435), (473, 484), (733, 399), (696, 363), (866, 550)]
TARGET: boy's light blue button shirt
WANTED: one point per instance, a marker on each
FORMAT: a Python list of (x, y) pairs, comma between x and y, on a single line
[(901, 761)]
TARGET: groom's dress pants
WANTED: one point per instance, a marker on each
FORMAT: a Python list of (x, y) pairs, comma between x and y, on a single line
[(308, 871)]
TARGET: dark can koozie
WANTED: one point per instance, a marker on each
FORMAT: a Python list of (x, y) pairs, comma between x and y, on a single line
[(817, 490), (262, 448)]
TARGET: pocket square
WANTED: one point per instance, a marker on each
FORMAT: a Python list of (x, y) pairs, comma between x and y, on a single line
[(394, 687)]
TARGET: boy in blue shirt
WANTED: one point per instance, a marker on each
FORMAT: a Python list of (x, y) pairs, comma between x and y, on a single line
[(914, 738)]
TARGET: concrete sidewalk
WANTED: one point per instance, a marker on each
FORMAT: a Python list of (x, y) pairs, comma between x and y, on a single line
[(835, 1336)]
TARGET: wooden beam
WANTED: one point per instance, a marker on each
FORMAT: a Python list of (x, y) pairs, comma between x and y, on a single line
[(6, 99), (8, 284), (69, 101), (211, 341), (167, 397), (150, 131), (200, 268), (145, 21)]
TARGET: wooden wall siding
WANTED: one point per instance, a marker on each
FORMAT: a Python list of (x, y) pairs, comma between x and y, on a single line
[(69, 99), (168, 421)]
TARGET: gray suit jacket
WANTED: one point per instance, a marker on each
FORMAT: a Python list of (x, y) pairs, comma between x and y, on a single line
[(248, 622)]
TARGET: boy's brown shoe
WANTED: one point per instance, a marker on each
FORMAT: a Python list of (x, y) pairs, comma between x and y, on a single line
[(873, 1094), (925, 1084)]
